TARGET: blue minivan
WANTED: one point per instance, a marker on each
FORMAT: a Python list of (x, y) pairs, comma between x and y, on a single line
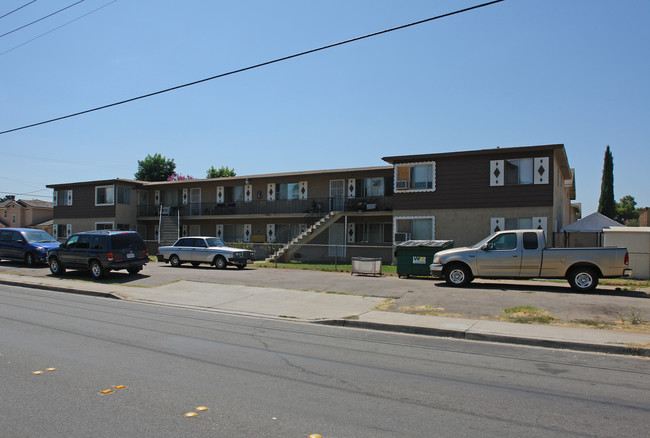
[(25, 244)]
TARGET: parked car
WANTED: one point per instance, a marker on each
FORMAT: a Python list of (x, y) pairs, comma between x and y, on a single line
[(523, 254), (100, 252), (25, 244), (200, 249)]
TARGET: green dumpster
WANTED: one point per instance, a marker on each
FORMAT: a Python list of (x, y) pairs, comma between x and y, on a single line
[(415, 256)]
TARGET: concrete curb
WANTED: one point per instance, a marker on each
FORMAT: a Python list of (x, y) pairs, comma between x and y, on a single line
[(489, 337), (61, 289)]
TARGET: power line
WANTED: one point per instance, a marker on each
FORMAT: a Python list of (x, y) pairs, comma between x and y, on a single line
[(17, 9), (57, 28), (263, 64), (40, 19)]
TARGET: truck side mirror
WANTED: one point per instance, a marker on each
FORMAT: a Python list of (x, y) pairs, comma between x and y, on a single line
[(485, 247)]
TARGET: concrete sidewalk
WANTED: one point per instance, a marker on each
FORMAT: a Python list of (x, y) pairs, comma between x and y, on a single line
[(344, 310)]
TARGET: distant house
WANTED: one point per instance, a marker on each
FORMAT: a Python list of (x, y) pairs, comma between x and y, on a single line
[(463, 196), (27, 213)]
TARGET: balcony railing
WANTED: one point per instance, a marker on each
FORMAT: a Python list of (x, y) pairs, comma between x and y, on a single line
[(314, 206)]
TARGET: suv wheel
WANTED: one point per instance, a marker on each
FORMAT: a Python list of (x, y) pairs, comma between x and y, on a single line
[(29, 259), (96, 270), (56, 267)]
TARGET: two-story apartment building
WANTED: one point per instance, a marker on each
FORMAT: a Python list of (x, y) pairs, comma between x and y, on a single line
[(462, 196)]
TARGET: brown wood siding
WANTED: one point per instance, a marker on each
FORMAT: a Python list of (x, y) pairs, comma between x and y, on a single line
[(83, 205), (464, 182)]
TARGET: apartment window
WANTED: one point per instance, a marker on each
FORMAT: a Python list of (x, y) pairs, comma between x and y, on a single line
[(369, 187), (4, 213), (519, 171), (104, 195), (288, 191), (234, 194), (414, 228), (373, 232), (233, 232), (62, 198), (13, 218), (415, 177), (104, 225), (521, 223), (123, 195)]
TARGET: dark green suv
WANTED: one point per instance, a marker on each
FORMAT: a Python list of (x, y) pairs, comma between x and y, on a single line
[(100, 252)]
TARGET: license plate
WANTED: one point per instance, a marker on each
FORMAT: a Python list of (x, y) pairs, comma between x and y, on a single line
[(248, 261), (130, 255)]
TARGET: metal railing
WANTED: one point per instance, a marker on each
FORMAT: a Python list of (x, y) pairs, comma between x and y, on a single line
[(312, 206)]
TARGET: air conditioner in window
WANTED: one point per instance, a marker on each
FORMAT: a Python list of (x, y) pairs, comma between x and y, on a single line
[(402, 237), (402, 184)]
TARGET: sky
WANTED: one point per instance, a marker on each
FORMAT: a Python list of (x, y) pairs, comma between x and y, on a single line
[(516, 73)]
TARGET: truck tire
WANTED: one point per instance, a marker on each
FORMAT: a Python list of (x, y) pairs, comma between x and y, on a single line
[(583, 279), (458, 275)]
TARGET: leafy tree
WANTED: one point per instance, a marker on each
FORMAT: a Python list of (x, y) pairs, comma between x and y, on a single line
[(606, 203), (178, 177), (626, 210), (223, 171), (155, 168)]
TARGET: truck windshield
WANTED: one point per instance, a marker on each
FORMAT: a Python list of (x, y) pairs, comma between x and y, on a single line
[(482, 242)]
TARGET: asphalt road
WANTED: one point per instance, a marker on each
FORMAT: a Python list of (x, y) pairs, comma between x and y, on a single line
[(273, 378), (482, 298)]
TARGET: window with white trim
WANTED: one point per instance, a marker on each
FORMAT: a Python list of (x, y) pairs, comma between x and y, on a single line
[(414, 228), (104, 225), (104, 195), (415, 177)]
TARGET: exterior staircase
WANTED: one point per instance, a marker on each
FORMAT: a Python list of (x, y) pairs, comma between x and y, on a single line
[(168, 230), (304, 237)]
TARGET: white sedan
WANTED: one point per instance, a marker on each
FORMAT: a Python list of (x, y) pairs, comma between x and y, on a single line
[(200, 249)]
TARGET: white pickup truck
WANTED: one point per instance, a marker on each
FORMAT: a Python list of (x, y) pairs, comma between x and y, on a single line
[(523, 254)]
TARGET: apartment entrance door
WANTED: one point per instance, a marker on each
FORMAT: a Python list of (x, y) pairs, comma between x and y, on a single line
[(337, 194)]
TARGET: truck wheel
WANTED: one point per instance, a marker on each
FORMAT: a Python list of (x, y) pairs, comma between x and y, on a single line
[(174, 261), (458, 275), (583, 279), (96, 270), (220, 262), (56, 267)]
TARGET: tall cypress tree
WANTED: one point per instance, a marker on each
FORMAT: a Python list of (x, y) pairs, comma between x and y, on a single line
[(606, 203)]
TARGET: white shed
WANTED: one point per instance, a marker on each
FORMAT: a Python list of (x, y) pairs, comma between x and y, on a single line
[(637, 242)]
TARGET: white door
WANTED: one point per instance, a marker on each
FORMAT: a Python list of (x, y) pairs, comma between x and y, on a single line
[(337, 193)]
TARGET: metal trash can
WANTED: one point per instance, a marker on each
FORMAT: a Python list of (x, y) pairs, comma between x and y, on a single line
[(415, 256)]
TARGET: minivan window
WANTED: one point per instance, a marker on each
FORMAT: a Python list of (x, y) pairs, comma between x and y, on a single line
[(38, 236)]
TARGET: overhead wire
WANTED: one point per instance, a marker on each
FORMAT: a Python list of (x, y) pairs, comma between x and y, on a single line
[(57, 28), (17, 9), (263, 64), (40, 19)]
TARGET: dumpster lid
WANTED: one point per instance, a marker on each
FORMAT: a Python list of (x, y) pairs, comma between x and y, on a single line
[(427, 243)]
